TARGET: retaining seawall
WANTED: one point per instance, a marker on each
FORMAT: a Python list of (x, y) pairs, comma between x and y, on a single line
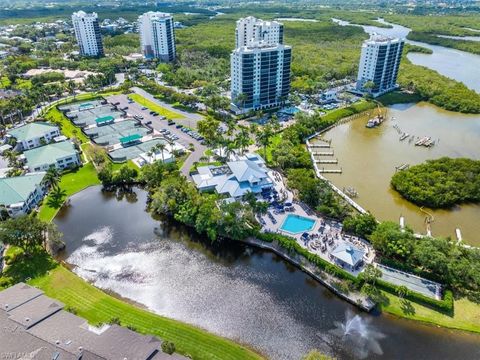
[(327, 280)]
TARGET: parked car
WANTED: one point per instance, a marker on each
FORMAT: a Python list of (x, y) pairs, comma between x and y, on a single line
[(178, 126), (144, 108), (170, 122)]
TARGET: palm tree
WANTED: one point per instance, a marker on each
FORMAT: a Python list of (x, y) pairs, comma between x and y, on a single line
[(161, 147), (402, 291), (71, 86), (263, 138), (52, 177), (229, 150), (241, 99), (242, 139)]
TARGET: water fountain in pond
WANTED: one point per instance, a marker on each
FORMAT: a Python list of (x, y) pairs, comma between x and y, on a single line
[(358, 336)]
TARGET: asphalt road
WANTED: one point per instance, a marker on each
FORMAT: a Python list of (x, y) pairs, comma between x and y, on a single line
[(158, 124), (191, 117)]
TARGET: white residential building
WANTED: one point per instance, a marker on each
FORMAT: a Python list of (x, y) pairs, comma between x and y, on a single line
[(87, 32), (260, 76), (33, 135), (62, 155), (20, 194), (379, 63), (157, 36), (251, 30), (236, 178)]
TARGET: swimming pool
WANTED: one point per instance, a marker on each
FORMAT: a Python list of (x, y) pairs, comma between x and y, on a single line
[(295, 224)]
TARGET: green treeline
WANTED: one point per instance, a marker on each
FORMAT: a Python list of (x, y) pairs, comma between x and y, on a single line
[(437, 89), (464, 45), (457, 267), (440, 183)]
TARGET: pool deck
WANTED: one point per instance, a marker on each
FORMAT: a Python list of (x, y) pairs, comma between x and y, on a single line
[(323, 227), (332, 231)]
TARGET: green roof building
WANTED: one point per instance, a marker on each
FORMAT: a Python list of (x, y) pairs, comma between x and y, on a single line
[(18, 195), (34, 134), (62, 155)]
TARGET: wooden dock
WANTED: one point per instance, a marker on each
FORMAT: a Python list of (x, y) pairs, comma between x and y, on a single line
[(322, 146), (327, 161), (323, 153), (329, 171)]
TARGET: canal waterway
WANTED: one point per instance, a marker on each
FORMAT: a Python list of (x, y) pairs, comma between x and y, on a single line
[(455, 64), (368, 158), (233, 290)]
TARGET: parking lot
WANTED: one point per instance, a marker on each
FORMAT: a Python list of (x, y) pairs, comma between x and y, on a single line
[(170, 130)]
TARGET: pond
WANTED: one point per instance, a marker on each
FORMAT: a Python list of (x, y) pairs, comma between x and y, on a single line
[(233, 290)]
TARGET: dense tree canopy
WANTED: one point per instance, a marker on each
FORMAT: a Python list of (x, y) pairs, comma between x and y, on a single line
[(440, 183), (441, 259)]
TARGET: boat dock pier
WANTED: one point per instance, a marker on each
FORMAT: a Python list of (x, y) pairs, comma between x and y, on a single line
[(402, 167), (329, 171), (319, 173), (323, 145), (323, 153), (327, 161)]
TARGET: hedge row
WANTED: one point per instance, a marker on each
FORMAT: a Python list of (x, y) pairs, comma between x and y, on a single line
[(444, 306), (292, 246)]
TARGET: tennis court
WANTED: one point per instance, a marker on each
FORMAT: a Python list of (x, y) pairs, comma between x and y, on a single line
[(81, 106), (111, 134), (134, 151), (411, 282)]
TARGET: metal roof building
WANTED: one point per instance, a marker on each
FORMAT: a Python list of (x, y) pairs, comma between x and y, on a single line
[(21, 193), (38, 327)]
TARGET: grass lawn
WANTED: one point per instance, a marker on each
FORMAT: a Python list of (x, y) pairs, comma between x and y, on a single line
[(71, 183), (275, 141), (68, 129), (356, 108), (130, 164), (155, 107), (466, 313), (98, 307)]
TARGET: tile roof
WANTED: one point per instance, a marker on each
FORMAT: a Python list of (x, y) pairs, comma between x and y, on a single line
[(17, 189), (32, 130)]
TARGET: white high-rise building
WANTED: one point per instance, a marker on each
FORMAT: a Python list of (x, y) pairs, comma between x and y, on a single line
[(250, 30), (157, 36), (87, 32), (379, 63), (259, 66), (260, 76)]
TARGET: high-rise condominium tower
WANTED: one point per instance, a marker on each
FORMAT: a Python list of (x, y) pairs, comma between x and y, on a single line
[(379, 63), (87, 32), (157, 36), (260, 66), (251, 29)]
